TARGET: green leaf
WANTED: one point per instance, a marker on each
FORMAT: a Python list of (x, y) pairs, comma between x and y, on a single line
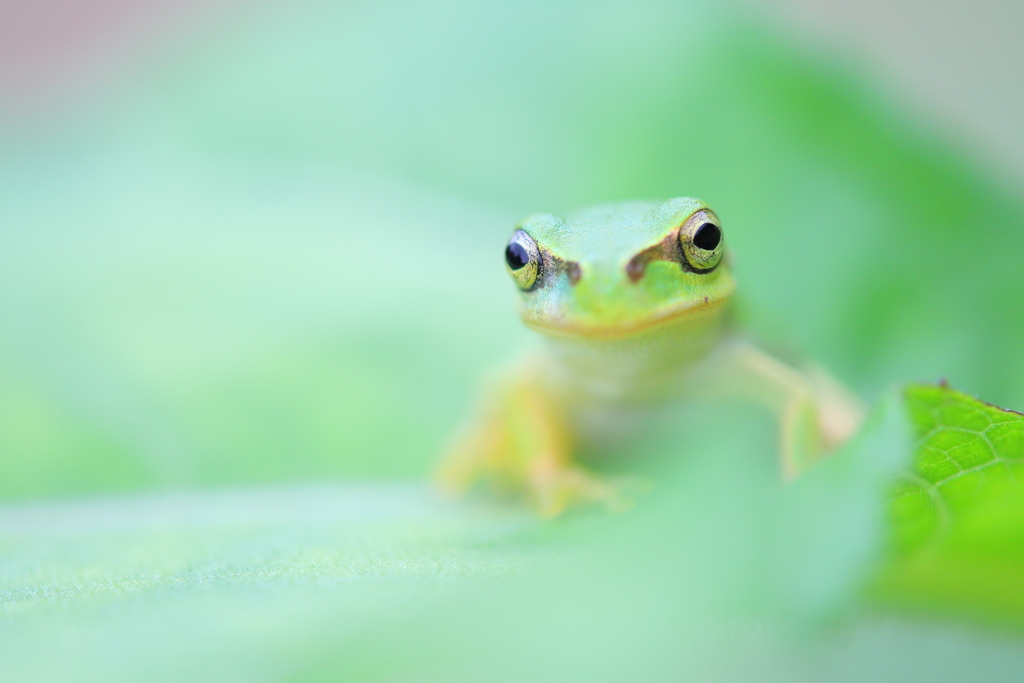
[(357, 582), (958, 517)]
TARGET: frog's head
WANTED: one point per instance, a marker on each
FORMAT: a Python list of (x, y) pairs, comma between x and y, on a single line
[(618, 269)]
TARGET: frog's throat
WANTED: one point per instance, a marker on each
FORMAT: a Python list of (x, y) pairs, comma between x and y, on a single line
[(564, 328)]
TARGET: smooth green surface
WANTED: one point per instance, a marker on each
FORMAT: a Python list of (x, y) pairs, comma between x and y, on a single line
[(718, 574), (239, 583), (370, 581)]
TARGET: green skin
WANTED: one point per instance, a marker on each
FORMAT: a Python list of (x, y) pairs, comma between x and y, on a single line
[(605, 302), (634, 314)]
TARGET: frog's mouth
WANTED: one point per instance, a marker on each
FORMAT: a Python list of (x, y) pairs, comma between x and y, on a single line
[(564, 326)]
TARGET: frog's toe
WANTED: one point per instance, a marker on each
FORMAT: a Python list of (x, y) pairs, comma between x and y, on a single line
[(554, 491), (465, 463)]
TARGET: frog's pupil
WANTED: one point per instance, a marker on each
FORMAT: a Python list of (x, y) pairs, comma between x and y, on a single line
[(516, 256), (707, 237)]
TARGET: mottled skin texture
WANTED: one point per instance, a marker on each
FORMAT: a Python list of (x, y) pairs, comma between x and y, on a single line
[(634, 316)]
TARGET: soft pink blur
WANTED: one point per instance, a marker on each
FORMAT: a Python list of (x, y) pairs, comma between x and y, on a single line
[(52, 49)]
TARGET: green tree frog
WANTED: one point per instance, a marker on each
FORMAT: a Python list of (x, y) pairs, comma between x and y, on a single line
[(632, 300)]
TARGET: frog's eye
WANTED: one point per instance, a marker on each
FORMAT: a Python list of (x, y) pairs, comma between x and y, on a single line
[(702, 241), (523, 259)]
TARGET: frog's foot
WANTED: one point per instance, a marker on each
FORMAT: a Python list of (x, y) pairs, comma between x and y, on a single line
[(801, 439), (555, 488), (820, 416), (840, 414), (546, 477), (473, 457), (520, 443), (816, 414)]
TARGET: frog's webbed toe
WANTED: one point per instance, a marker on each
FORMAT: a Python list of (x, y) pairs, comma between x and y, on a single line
[(555, 490), (476, 452), (816, 414), (520, 443)]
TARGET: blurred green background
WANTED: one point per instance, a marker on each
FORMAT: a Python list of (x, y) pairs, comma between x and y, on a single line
[(260, 245), (265, 251)]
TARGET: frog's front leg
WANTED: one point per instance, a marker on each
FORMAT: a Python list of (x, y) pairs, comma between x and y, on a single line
[(521, 443), (816, 414)]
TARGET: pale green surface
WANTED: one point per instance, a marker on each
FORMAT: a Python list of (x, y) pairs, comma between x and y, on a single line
[(377, 579), (190, 586), (229, 326), (719, 575), (273, 254)]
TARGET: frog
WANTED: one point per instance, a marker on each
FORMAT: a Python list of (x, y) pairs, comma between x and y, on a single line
[(635, 305)]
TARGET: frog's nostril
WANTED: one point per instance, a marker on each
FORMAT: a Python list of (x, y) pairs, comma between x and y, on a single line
[(573, 270), (635, 268)]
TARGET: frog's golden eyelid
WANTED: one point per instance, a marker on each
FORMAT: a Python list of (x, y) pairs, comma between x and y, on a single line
[(701, 241), (522, 258)]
